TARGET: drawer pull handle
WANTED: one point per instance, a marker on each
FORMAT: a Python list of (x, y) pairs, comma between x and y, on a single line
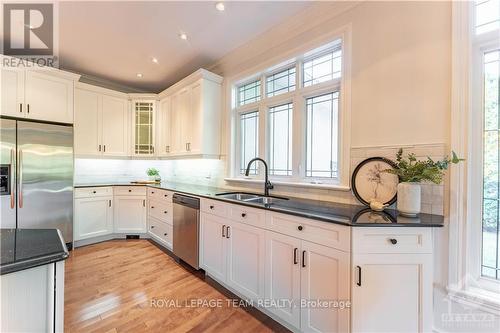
[(359, 276), (300, 227), (394, 241), (243, 214), (211, 207)]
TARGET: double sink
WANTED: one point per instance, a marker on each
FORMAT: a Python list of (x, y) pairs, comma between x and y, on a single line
[(251, 198)]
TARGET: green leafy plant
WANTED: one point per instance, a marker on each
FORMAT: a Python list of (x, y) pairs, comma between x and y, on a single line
[(152, 172), (411, 170)]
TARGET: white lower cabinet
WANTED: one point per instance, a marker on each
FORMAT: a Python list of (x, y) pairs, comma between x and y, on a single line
[(130, 214), (234, 254), (391, 280), (93, 217), (160, 231)]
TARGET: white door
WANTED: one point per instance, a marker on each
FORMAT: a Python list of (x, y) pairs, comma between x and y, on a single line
[(93, 217), (164, 124), (129, 214), (12, 92), (195, 118), (48, 97), (392, 293), (213, 246), (87, 123), (114, 126), (283, 276), (246, 260), (324, 276)]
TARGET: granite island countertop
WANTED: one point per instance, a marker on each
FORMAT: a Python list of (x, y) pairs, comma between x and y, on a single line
[(326, 211), (26, 248)]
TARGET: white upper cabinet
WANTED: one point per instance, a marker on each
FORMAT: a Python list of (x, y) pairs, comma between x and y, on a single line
[(101, 122), (163, 133), (38, 94), (143, 131), (195, 115)]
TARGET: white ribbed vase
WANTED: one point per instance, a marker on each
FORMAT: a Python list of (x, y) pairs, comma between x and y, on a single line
[(409, 199)]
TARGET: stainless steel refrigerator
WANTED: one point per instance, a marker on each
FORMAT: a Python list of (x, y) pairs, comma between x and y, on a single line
[(36, 161)]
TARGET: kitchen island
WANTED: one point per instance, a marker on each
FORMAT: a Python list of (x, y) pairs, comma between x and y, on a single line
[(32, 280)]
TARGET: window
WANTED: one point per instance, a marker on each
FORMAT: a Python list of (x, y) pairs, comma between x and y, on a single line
[(322, 138), (322, 68), (490, 265), (293, 122), (280, 82), (249, 93), (280, 140), (249, 130), (144, 127), (487, 15)]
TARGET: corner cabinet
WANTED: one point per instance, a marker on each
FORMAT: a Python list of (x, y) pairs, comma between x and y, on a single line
[(93, 214), (37, 94), (129, 209), (101, 122), (191, 111), (143, 129)]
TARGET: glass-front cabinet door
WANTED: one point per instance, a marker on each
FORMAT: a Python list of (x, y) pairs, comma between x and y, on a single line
[(144, 127)]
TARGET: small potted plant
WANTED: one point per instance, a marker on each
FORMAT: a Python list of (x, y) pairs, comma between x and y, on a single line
[(153, 174), (411, 173)]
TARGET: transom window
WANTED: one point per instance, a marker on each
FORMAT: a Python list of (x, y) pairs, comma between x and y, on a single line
[(300, 117), (249, 93)]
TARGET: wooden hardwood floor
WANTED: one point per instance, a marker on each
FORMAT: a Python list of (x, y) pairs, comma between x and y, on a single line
[(133, 286)]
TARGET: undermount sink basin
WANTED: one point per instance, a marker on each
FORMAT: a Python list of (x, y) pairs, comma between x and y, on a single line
[(250, 198)]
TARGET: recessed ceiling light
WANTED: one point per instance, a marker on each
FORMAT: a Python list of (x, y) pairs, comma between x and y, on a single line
[(183, 36), (220, 6), (139, 75), (154, 60)]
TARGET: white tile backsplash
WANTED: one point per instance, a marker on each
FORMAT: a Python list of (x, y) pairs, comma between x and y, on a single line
[(211, 172)]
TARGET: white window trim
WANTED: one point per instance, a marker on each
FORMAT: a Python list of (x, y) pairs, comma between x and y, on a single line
[(464, 258), (298, 98)]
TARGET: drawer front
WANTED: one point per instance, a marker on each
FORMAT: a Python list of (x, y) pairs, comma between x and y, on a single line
[(324, 233), (129, 190), (159, 194), (161, 230), (90, 192), (392, 240), (160, 210), (214, 207), (247, 215)]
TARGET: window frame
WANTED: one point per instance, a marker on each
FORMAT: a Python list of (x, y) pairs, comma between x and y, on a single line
[(297, 97)]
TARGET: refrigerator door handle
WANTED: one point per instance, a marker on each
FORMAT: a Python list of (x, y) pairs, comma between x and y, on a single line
[(12, 172), (20, 178)]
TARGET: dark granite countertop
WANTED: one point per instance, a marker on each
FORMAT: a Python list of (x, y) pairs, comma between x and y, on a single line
[(26, 248), (345, 214)]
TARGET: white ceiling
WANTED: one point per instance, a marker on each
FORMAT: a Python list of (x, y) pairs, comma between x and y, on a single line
[(116, 40)]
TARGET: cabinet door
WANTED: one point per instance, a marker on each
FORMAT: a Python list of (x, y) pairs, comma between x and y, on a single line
[(130, 214), (93, 217), (143, 127), (283, 276), (195, 119), (164, 146), (213, 246), (246, 260), (324, 276), (12, 92), (87, 123), (184, 125), (392, 293), (114, 126), (48, 97)]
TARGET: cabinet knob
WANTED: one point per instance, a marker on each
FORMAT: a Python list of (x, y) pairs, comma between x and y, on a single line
[(130, 190), (152, 206), (94, 192), (152, 227), (300, 227), (165, 212), (166, 195), (152, 192), (211, 207), (165, 234), (243, 214), (394, 241)]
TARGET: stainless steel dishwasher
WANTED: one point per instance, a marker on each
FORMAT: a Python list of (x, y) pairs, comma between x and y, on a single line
[(186, 228)]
